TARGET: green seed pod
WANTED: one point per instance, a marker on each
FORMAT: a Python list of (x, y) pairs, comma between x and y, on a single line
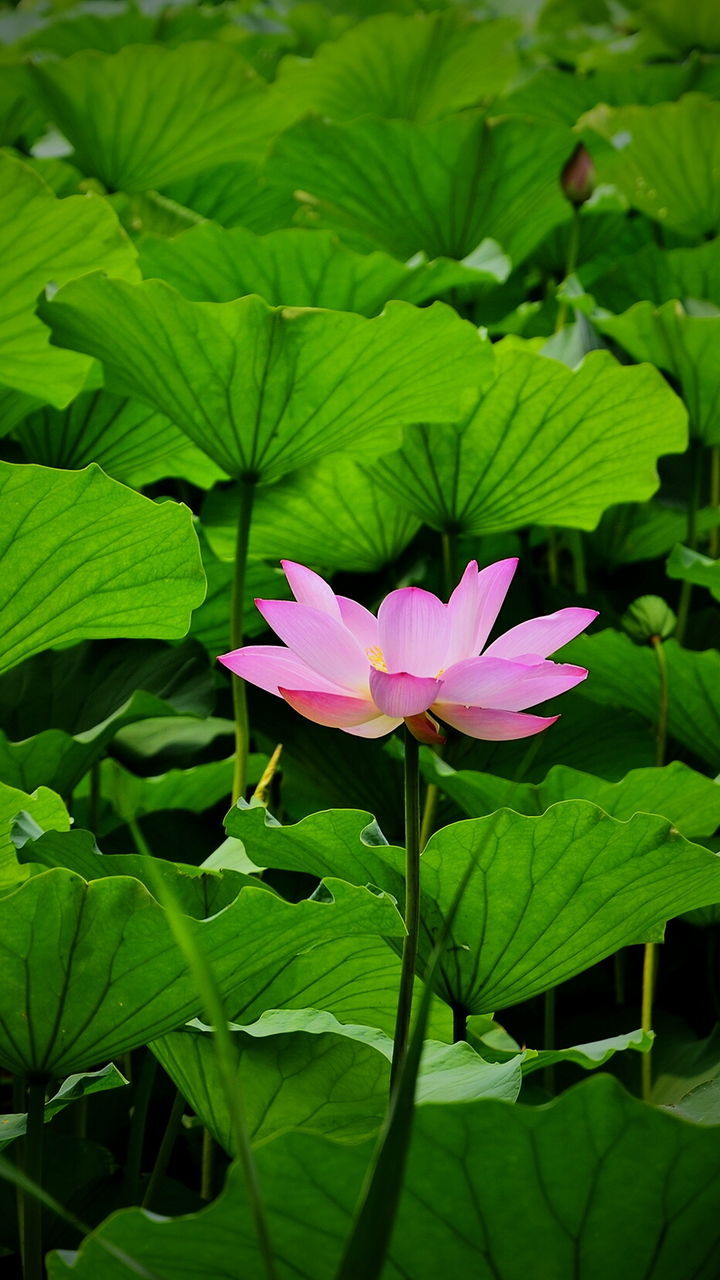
[(648, 617)]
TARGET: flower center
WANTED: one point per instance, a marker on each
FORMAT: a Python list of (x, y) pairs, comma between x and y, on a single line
[(376, 658)]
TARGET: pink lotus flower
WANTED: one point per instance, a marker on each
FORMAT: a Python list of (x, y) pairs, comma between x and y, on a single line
[(345, 668)]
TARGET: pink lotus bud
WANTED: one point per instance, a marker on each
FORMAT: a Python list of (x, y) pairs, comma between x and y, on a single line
[(578, 176)]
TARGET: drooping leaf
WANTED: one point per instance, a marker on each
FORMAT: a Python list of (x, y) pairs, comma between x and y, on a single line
[(213, 109), (69, 1091), (131, 442), (103, 975), (686, 798), (89, 558), (44, 241), (544, 444), (663, 158), (299, 268), (551, 895), (303, 1069), (419, 68), (438, 189), (46, 808), (626, 675), (489, 1190), (684, 346), (693, 567), (265, 390), (291, 519)]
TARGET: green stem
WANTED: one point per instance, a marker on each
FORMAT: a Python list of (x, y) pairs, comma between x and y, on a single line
[(165, 1149), (714, 547), (648, 983), (553, 567), (691, 537), (662, 718), (449, 550), (432, 796), (207, 1166), (136, 1138), (237, 606), (139, 840), (549, 1036), (412, 904), (577, 551), (32, 1248), (570, 263), (94, 798)]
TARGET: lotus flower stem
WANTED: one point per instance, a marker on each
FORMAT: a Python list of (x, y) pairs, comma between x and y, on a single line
[(31, 1216), (714, 548), (242, 727), (694, 500), (172, 1128), (412, 904), (650, 957)]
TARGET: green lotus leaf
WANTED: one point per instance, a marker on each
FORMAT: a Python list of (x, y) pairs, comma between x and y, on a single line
[(489, 1188), (235, 194), (419, 68), (550, 895), (438, 189), (195, 789), (213, 109), (543, 445), (663, 158), (562, 96), (689, 800), (630, 533), (103, 975), (69, 1091), (45, 241), (683, 27), (656, 275), (693, 567), (90, 558), (264, 390), (302, 1069), (44, 806), (626, 675), (291, 519), (131, 442), (300, 268)]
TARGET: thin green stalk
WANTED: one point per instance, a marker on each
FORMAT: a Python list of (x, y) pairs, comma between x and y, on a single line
[(553, 565), (691, 537), (432, 796), (662, 717), (213, 1004), (570, 264), (549, 1036), (138, 1122), (207, 1166), (577, 551), (162, 1159), (714, 548), (648, 984), (412, 904), (32, 1247), (449, 557), (237, 606), (140, 843)]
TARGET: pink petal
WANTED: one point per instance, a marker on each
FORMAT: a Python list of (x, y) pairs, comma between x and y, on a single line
[(336, 711), (426, 729), (464, 613), (493, 726), (321, 641), (482, 682), (376, 728), (309, 588), (400, 694), (542, 635), (542, 681), (493, 582), (360, 621), (414, 631), (269, 666)]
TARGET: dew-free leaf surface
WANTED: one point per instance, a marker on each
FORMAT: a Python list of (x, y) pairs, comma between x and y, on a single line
[(691, 566), (265, 390), (544, 444), (489, 1189), (87, 558)]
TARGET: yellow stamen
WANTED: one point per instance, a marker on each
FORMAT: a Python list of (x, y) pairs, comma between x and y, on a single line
[(376, 658)]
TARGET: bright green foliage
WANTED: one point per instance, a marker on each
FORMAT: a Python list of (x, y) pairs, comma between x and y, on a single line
[(291, 519), (304, 1070), (46, 809), (549, 897), (195, 789), (693, 567), (533, 1182), (297, 268), (71, 1090), (264, 390), (213, 109), (687, 799), (543, 445), (91, 558), (418, 68), (438, 189), (663, 159), (626, 675), (45, 241), (684, 27), (111, 941)]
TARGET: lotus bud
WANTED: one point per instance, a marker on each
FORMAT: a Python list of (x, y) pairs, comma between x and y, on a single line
[(649, 618), (578, 176)]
